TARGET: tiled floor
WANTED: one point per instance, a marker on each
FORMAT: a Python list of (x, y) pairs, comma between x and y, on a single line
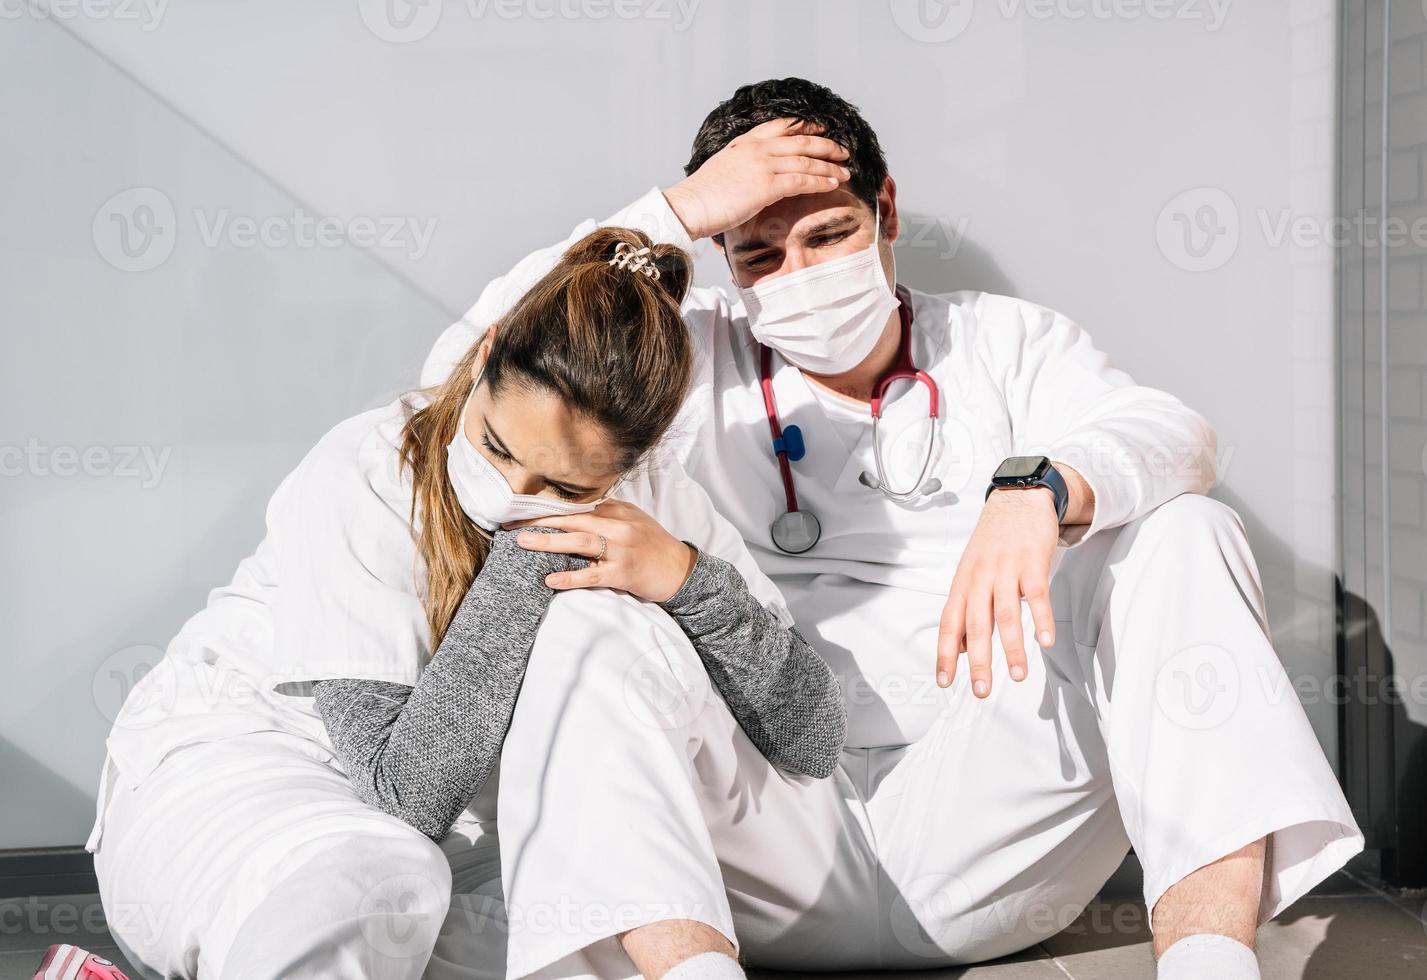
[(1349, 928)]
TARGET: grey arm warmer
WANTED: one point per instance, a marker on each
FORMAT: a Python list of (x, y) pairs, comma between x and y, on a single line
[(421, 753)]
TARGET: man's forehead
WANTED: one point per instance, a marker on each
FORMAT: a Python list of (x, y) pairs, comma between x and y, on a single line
[(798, 215)]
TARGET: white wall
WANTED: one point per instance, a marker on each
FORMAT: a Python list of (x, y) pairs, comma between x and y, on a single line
[(1047, 146)]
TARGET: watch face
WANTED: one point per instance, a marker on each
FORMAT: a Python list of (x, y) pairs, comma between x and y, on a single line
[(1021, 468)]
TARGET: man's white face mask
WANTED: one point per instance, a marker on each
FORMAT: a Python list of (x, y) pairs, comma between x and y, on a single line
[(826, 318), (486, 495)]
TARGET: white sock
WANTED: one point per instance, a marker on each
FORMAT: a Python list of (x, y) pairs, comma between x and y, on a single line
[(1208, 956), (717, 966)]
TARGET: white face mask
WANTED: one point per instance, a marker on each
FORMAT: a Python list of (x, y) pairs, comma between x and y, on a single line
[(826, 318), (485, 494)]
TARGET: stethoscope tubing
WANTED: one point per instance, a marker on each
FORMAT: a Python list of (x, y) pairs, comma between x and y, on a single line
[(903, 370)]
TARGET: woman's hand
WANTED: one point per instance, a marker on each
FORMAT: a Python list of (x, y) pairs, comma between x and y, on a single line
[(635, 554)]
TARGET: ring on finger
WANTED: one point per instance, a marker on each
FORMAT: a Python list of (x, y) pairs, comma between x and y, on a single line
[(604, 547)]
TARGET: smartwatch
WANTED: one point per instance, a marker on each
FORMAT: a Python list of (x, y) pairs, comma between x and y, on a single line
[(1021, 472)]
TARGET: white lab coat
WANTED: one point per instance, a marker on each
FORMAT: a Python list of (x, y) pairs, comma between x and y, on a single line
[(953, 821), (227, 836), (1015, 379)]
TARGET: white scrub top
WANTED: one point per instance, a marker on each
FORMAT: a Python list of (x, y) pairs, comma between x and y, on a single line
[(1015, 379), (335, 589)]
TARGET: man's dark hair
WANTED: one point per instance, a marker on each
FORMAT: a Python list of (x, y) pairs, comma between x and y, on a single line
[(796, 98)]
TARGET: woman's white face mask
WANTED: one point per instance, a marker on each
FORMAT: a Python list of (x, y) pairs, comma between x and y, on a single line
[(828, 317), (486, 495)]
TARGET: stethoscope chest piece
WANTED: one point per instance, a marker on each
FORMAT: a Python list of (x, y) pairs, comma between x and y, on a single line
[(796, 531)]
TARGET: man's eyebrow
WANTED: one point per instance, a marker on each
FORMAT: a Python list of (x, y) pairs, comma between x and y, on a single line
[(832, 224), (573, 488), (823, 228)]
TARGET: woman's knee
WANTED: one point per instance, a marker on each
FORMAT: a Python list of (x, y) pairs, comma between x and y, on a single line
[(612, 647), (370, 903)]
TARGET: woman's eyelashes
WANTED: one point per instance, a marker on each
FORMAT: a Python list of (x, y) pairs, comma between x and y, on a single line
[(499, 454), (564, 493)]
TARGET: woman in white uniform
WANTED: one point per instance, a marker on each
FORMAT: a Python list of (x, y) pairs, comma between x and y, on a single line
[(280, 792)]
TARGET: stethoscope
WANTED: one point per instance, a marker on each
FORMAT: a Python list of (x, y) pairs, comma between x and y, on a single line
[(797, 530)]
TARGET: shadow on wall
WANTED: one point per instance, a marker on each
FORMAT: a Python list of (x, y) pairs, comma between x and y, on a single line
[(934, 255)]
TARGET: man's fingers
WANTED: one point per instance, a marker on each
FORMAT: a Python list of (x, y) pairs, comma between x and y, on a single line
[(1008, 624), (948, 641), (777, 127), (806, 146), (1037, 594), (792, 185), (978, 639), (569, 543), (810, 165)]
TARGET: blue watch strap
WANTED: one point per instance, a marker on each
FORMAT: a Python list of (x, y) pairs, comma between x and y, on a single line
[(1056, 483), (1051, 480)]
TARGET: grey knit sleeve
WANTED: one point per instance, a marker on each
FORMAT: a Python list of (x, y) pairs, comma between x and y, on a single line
[(422, 753), (783, 694)]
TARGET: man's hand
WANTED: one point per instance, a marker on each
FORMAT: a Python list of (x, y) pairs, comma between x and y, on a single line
[(1008, 558), (777, 159)]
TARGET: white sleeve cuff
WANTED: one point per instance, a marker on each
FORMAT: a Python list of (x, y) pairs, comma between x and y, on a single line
[(652, 215)]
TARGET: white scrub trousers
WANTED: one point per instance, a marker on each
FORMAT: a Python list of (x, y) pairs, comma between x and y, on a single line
[(250, 857), (1161, 718), (629, 795)]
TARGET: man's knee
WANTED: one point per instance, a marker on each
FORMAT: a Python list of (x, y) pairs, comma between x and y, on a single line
[(1184, 526), (1194, 513)]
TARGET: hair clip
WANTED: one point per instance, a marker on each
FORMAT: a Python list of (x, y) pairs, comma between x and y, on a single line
[(626, 256)]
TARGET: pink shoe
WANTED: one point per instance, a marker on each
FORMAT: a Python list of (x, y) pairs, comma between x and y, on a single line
[(66, 962)]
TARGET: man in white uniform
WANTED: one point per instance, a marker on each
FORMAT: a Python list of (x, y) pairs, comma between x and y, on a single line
[(1130, 698)]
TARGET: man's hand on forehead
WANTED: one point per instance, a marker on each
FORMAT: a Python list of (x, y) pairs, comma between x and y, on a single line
[(777, 159)]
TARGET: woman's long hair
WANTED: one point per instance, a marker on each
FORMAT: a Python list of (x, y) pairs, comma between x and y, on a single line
[(608, 341)]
